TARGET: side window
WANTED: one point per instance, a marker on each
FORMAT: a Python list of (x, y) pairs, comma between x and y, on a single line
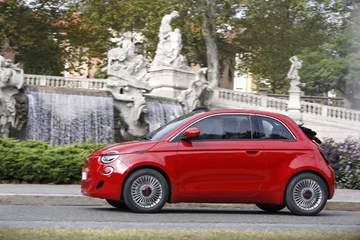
[(224, 127), (272, 129)]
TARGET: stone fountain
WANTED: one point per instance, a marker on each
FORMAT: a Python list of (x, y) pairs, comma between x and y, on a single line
[(169, 83), (144, 96)]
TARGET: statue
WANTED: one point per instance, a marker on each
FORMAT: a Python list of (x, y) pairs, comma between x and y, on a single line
[(198, 94), (165, 26), (10, 74), (127, 81), (12, 115), (126, 63), (169, 46), (293, 74)]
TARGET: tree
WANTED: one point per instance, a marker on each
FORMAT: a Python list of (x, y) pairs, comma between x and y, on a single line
[(33, 34), (273, 31), (336, 65), (202, 24)]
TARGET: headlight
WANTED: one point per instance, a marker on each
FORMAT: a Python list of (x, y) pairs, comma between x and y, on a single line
[(109, 158)]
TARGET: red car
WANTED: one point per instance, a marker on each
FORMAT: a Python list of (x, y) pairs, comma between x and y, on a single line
[(222, 156)]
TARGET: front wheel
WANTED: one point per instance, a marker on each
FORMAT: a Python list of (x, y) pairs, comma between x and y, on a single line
[(145, 191), (306, 194), (271, 208)]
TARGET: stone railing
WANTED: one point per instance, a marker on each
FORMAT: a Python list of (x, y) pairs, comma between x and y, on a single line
[(263, 102), (278, 104), (240, 97), (335, 101), (330, 112), (252, 99), (65, 82)]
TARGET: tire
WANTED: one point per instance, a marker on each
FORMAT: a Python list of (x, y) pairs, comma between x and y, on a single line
[(306, 194), (117, 204), (271, 208), (145, 191)]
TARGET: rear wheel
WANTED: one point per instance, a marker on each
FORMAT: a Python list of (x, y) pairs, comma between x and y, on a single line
[(271, 208), (145, 191), (117, 204), (306, 194)]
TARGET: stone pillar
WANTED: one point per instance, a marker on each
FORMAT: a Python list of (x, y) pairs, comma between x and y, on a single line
[(169, 82), (294, 106)]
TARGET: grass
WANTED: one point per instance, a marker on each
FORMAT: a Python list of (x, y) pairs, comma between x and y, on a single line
[(130, 234)]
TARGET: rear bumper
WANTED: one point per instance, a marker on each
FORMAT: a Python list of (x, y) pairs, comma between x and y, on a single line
[(103, 186)]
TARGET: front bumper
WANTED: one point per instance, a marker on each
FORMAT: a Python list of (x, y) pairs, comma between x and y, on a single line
[(97, 183)]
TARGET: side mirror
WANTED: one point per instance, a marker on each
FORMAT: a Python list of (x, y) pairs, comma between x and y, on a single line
[(190, 134)]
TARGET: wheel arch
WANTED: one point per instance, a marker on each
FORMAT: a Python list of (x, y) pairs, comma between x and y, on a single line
[(161, 171)]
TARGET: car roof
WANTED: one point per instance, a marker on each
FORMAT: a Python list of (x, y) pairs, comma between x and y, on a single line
[(244, 111)]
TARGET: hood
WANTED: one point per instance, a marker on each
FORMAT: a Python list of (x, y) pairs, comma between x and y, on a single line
[(125, 147)]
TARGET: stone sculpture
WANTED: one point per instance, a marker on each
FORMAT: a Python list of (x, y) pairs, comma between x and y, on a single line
[(198, 94), (13, 112), (293, 74), (127, 63), (127, 81), (169, 46), (294, 105)]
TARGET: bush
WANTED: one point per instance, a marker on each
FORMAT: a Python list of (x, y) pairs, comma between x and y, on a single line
[(40, 162), (349, 169), (344, 158)]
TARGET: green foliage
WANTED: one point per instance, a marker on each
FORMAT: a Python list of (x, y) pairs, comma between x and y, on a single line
[(349, 169), (344, 158), (336, 64), (273, 31), (144, 17), (323, 72), (40, 162), (34, 34)]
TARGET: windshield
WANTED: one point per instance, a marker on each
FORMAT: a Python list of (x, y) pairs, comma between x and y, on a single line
[(166, 129)]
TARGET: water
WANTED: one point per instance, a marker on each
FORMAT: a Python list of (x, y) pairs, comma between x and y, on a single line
[(65, 119), (161, 112)]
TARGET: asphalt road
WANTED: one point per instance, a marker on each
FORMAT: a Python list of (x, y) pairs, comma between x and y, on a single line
[(18, 216)]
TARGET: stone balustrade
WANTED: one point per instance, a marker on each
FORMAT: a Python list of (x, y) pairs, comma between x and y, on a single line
[(65, 82), (341, 113), (274, 103), (330, 112), (239, 97), (253, 99), (336, 101), (264, 102)]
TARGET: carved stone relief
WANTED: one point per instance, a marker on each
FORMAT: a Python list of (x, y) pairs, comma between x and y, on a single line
[(13, 102), (198, 94)]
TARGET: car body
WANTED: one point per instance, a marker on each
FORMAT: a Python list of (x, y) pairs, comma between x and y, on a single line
[(220, 156)]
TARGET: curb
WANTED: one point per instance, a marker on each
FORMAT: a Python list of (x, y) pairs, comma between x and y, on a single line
[(78, 200)]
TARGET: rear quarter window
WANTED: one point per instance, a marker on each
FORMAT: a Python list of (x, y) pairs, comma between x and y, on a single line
[(272, 129)]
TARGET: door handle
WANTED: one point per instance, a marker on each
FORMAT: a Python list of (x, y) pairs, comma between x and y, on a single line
[(252, 152)]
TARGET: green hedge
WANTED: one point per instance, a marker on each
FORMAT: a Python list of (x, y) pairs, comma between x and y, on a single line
[(40, 162)]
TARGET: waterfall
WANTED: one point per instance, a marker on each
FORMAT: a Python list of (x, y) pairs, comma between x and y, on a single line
[(65, 119), (161, 112)]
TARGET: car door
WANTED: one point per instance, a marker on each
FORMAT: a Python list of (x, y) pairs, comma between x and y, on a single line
[(281, 149), (224, 163)]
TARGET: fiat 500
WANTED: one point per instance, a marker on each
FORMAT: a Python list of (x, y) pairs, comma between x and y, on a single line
[(221, 156)]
